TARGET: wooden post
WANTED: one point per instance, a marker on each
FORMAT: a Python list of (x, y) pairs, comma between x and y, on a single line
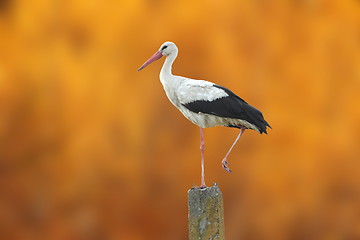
[(206, 214)]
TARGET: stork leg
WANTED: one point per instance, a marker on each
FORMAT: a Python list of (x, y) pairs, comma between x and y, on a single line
[(224, 161), (202, 148)]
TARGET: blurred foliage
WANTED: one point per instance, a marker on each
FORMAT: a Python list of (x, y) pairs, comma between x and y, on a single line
[(92, 149)]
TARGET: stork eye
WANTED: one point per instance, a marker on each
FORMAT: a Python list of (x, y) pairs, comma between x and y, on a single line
[(163, 47)]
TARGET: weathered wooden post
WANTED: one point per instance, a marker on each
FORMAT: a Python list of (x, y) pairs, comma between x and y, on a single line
[(206, 214)]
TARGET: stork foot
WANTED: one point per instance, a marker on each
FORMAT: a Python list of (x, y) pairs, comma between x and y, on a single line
[(200, 187), (224, 164)]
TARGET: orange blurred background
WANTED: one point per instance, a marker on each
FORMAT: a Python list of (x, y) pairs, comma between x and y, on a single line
[(92, 149)]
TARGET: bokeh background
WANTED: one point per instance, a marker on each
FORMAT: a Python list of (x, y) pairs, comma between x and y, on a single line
[(92, 149)]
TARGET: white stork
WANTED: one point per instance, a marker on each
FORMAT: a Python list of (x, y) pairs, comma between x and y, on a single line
[(205, 103)]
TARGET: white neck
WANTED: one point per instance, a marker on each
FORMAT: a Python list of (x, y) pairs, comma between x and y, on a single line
[(166, 68)]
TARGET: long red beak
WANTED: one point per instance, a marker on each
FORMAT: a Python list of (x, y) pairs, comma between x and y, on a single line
[(154, 57)]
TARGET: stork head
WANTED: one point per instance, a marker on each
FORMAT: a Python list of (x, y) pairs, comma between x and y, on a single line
[(166, 49)]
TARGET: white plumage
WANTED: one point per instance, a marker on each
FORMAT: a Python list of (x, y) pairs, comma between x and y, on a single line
[(205, 103)]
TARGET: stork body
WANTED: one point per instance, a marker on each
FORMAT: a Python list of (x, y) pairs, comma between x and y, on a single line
[(206, 104)]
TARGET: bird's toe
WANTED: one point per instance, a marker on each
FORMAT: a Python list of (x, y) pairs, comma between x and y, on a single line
[(224, 164)]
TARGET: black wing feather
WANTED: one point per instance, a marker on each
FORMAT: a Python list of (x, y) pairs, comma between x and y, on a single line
[(231, 106)]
